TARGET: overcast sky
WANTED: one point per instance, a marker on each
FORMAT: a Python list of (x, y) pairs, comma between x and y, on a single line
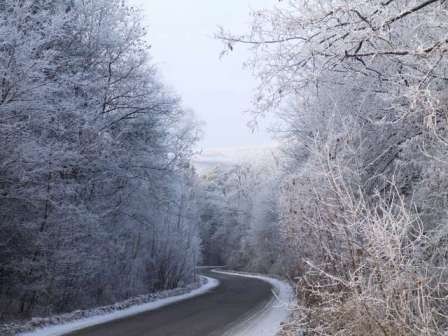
[(218, 90)]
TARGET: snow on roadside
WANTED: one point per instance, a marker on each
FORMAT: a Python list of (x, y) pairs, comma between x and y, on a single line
[(267, 321), (97, 317)]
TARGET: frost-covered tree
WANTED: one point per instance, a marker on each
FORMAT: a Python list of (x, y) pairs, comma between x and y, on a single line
[(96, 193), (239, 216), (361, 86)]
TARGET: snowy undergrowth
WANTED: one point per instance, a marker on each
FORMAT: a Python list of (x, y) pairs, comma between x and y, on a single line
[(267, 321), (62, 324)]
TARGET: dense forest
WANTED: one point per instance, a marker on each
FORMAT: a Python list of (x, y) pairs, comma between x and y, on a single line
[(100, 200), (361, 207), (94, 167)]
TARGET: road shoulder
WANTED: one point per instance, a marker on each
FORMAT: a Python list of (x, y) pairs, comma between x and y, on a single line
[(268, 319), (96, 317)]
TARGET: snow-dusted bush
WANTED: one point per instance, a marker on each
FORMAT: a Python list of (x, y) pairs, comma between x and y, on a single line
[(366, 265)]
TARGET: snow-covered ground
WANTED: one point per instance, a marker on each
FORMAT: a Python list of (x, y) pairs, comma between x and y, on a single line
[(267, 321), (62, 329)]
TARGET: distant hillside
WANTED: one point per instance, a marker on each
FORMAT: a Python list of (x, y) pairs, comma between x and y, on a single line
[(218, 157)]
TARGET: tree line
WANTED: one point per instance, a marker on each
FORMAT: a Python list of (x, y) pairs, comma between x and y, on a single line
[(361, 207), (97, 194)]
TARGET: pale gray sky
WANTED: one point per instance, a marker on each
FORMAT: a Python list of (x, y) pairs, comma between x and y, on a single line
[(218, 90)]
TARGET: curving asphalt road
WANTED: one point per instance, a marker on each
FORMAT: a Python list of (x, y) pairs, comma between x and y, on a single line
[(210, 314)]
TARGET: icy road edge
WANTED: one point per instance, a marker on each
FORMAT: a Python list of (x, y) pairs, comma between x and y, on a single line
[(62, 329), (268, 320)]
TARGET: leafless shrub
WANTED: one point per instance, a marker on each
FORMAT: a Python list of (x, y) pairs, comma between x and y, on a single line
[(368, 263)]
